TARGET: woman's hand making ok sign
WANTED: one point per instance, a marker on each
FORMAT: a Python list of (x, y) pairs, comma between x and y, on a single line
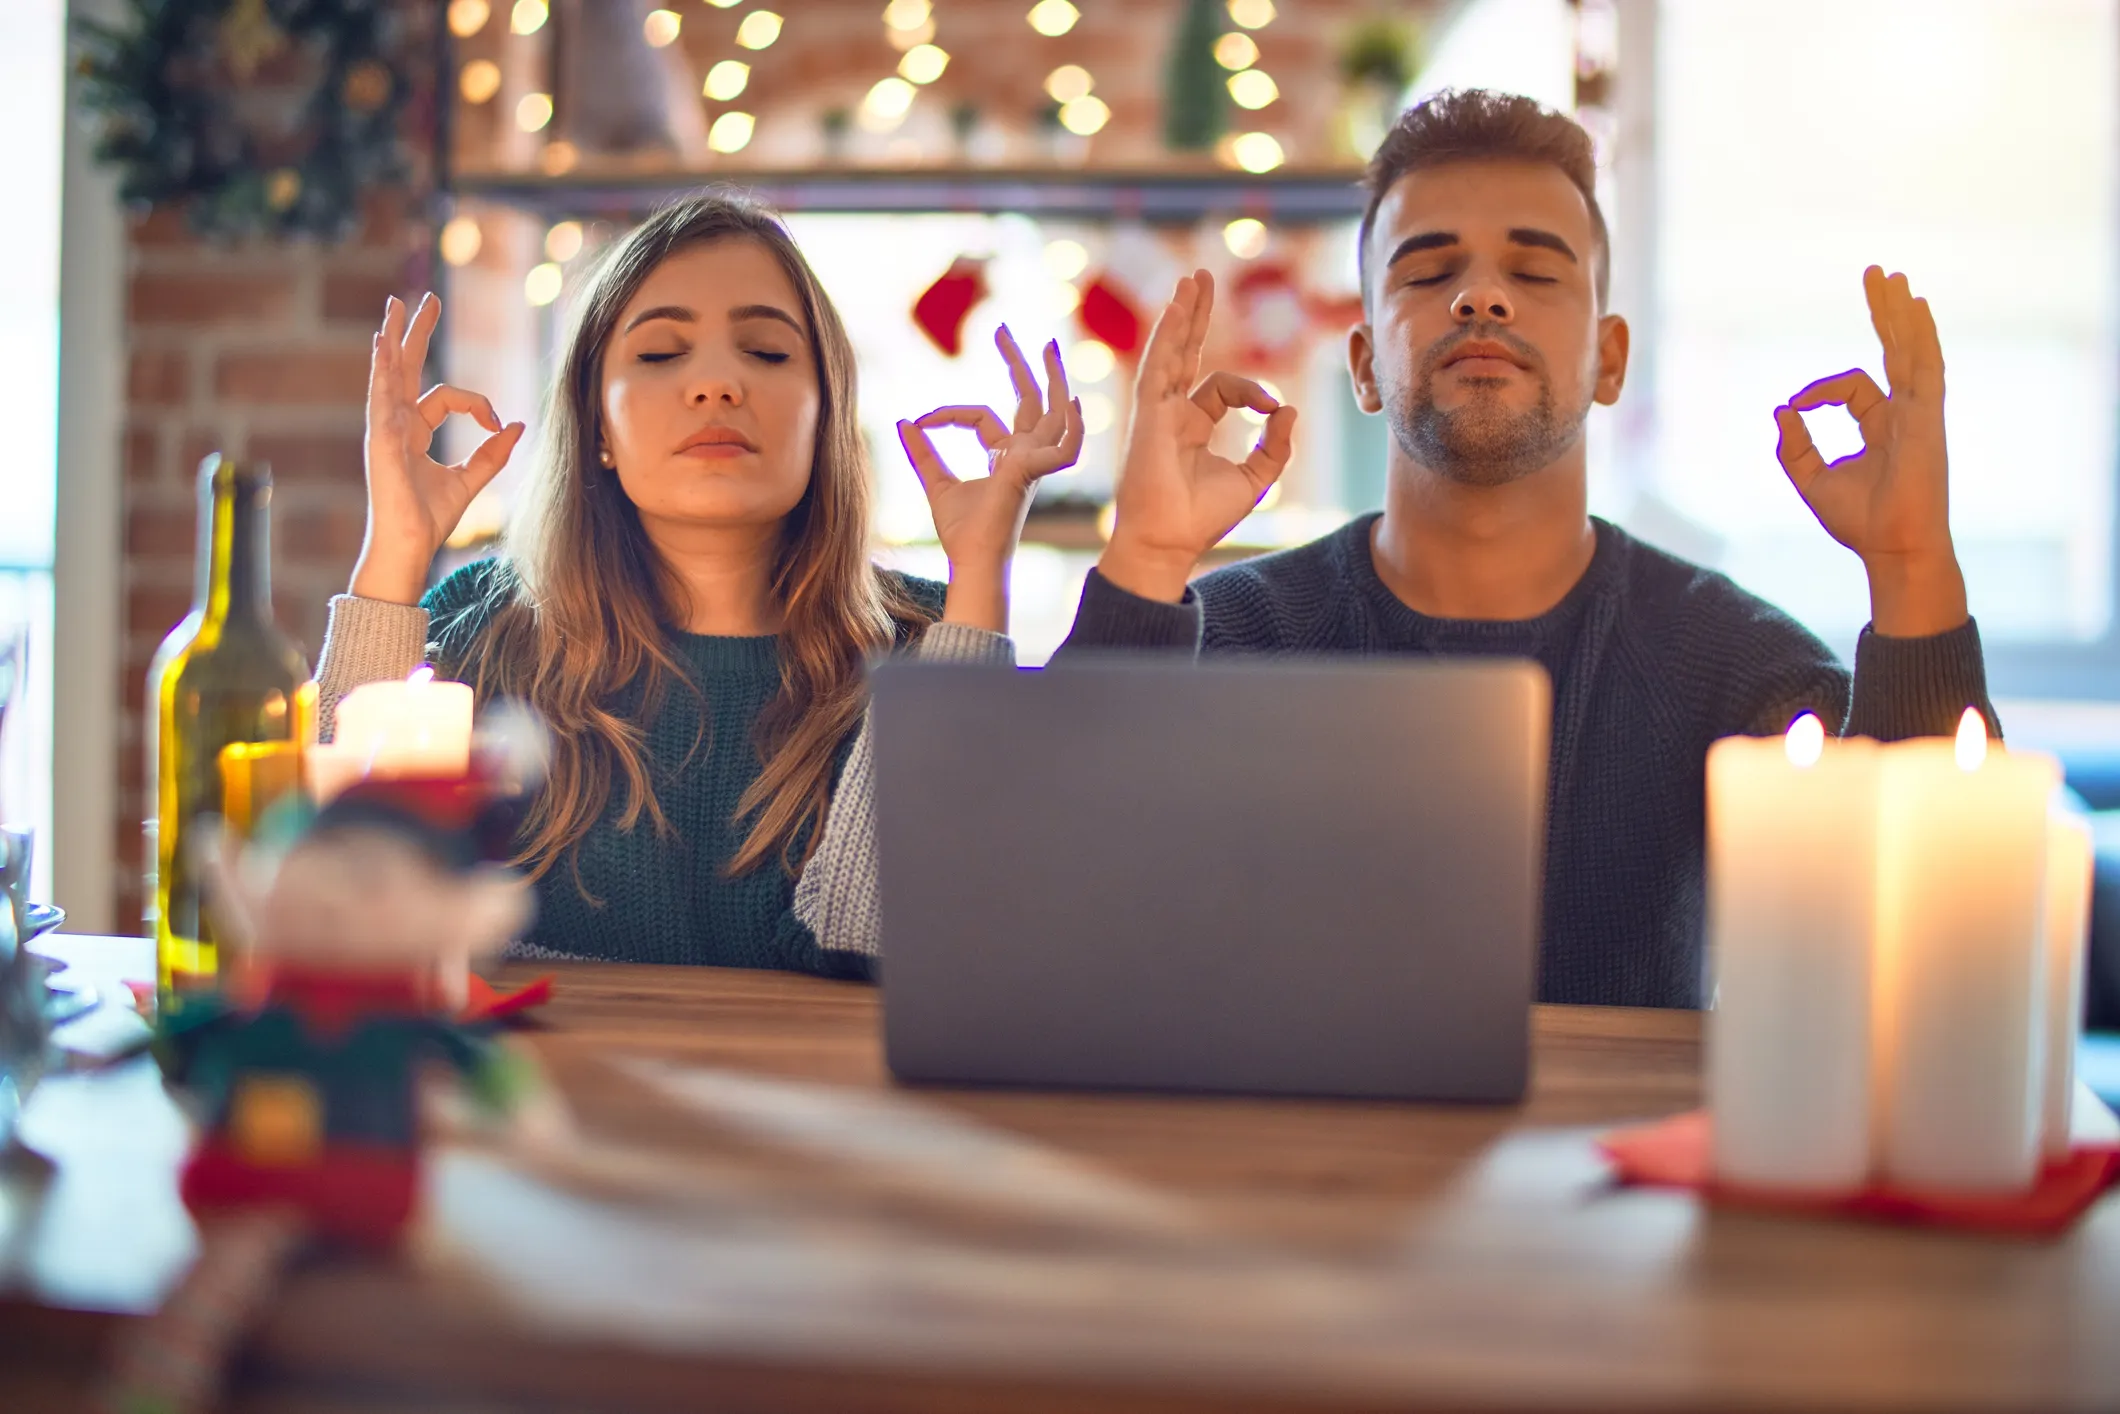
[(414, 501), (979, 519)]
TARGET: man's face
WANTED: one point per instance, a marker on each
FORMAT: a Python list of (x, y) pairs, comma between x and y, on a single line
[(1484, 346)]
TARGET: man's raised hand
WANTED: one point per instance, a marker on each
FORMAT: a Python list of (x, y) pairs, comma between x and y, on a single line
[(1175, 498), (1890, 502)]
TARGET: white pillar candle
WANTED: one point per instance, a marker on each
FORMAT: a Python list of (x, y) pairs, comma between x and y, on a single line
[(1792, 830), (418, 727), (2068, 918), (1962, 880), (329, 767)]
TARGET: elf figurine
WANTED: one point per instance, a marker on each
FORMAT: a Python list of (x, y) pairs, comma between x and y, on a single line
[(303, 1073)]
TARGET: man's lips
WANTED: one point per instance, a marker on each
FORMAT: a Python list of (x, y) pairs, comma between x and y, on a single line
[(716, 442), (1482, 356)]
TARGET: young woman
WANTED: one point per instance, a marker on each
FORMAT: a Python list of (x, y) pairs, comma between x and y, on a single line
[(685, 595)]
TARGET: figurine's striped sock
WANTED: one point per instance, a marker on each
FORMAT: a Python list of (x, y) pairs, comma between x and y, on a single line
[(175, 1360)]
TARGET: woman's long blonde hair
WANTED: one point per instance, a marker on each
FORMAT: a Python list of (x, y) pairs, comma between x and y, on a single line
[(578, 630)]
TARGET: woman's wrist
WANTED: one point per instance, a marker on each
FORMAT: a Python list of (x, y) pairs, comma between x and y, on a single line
[(392, 577), (978, 596)]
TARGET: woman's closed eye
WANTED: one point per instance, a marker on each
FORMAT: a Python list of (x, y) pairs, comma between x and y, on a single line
[(768, 355)]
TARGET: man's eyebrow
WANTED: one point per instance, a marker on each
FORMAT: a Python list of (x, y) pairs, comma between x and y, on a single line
[(1426, 240), (1545, 240), (662, 311), (765, 311)]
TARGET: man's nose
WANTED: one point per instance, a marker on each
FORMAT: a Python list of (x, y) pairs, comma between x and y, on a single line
[(1483, 300)]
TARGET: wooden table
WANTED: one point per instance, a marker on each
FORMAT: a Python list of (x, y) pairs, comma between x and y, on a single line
[(752, 1217)]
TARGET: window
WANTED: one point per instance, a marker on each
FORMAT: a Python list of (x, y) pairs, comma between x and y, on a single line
[(1971, 145), (31, 68)]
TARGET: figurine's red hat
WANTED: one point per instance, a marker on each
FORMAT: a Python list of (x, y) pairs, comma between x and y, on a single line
[(461, 821)]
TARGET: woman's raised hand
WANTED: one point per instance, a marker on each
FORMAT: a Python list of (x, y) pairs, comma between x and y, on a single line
[(414, 501), (1175, 499), (980, 520)]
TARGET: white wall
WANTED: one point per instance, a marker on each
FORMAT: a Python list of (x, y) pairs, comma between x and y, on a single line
[(91, 400)]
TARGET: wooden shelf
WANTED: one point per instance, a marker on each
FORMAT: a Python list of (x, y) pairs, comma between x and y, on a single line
[(1157, 196)]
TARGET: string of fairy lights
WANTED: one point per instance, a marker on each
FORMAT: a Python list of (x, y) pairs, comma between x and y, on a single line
[(911, 30), (909, 25)]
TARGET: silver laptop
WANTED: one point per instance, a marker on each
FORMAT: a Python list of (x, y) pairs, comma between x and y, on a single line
[(1312, 876)]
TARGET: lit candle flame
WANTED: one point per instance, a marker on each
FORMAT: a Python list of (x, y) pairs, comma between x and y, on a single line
[(423, 673), (1972, 740), (1806, 741)]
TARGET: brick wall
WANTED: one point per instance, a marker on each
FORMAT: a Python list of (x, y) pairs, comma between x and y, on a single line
[(256, 351)]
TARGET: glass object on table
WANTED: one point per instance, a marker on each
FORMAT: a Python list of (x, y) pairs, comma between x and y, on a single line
[(225, 675), (24, 1027), (14, 669), (14, 861)]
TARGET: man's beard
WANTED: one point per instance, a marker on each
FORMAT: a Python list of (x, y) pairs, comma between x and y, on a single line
[(1481, 443)]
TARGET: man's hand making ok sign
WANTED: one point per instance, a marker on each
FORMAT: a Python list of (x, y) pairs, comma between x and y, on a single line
[(1890, 502)]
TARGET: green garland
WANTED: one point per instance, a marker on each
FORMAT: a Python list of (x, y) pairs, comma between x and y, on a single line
[(259, 117), (1195, 100)]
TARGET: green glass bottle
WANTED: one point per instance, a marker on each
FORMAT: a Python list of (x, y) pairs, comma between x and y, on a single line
[(225, 675)]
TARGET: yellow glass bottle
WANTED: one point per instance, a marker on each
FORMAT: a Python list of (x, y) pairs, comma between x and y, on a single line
[(225, 675)]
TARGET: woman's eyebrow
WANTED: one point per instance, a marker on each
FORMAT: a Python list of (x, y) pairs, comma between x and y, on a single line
[(764, 311), (662, 311)]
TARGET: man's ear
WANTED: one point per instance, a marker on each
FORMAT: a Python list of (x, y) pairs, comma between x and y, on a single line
[(1613, 342), (1361, 368)]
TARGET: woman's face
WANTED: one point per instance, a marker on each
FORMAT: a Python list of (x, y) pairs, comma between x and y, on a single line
[(710, 394)]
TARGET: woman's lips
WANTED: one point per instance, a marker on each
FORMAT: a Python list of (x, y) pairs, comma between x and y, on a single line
[(714, 450)]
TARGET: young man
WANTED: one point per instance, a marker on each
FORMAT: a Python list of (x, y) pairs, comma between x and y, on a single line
[(1486, 341)]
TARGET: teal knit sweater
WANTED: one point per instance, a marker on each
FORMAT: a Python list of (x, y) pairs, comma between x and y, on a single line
[(634, 895)]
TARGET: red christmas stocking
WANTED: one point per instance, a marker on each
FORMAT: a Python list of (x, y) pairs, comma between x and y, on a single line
[(1110, 313), (944, 306)]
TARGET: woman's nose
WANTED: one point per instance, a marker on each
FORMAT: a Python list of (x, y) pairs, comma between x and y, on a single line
[(711, 386)]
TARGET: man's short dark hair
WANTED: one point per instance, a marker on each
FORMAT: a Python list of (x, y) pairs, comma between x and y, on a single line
[(1480, 125)]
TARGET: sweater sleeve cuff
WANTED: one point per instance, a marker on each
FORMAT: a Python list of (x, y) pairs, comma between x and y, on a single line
[(1111, 617), (962, 643), (1909, 687), (365, 640)]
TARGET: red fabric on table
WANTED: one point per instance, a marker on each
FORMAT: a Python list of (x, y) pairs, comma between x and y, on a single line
[(485, 1002), (1677, 1153)]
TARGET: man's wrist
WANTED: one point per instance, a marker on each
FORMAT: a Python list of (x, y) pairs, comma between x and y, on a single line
[(1916, 595), (1146, 571)]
